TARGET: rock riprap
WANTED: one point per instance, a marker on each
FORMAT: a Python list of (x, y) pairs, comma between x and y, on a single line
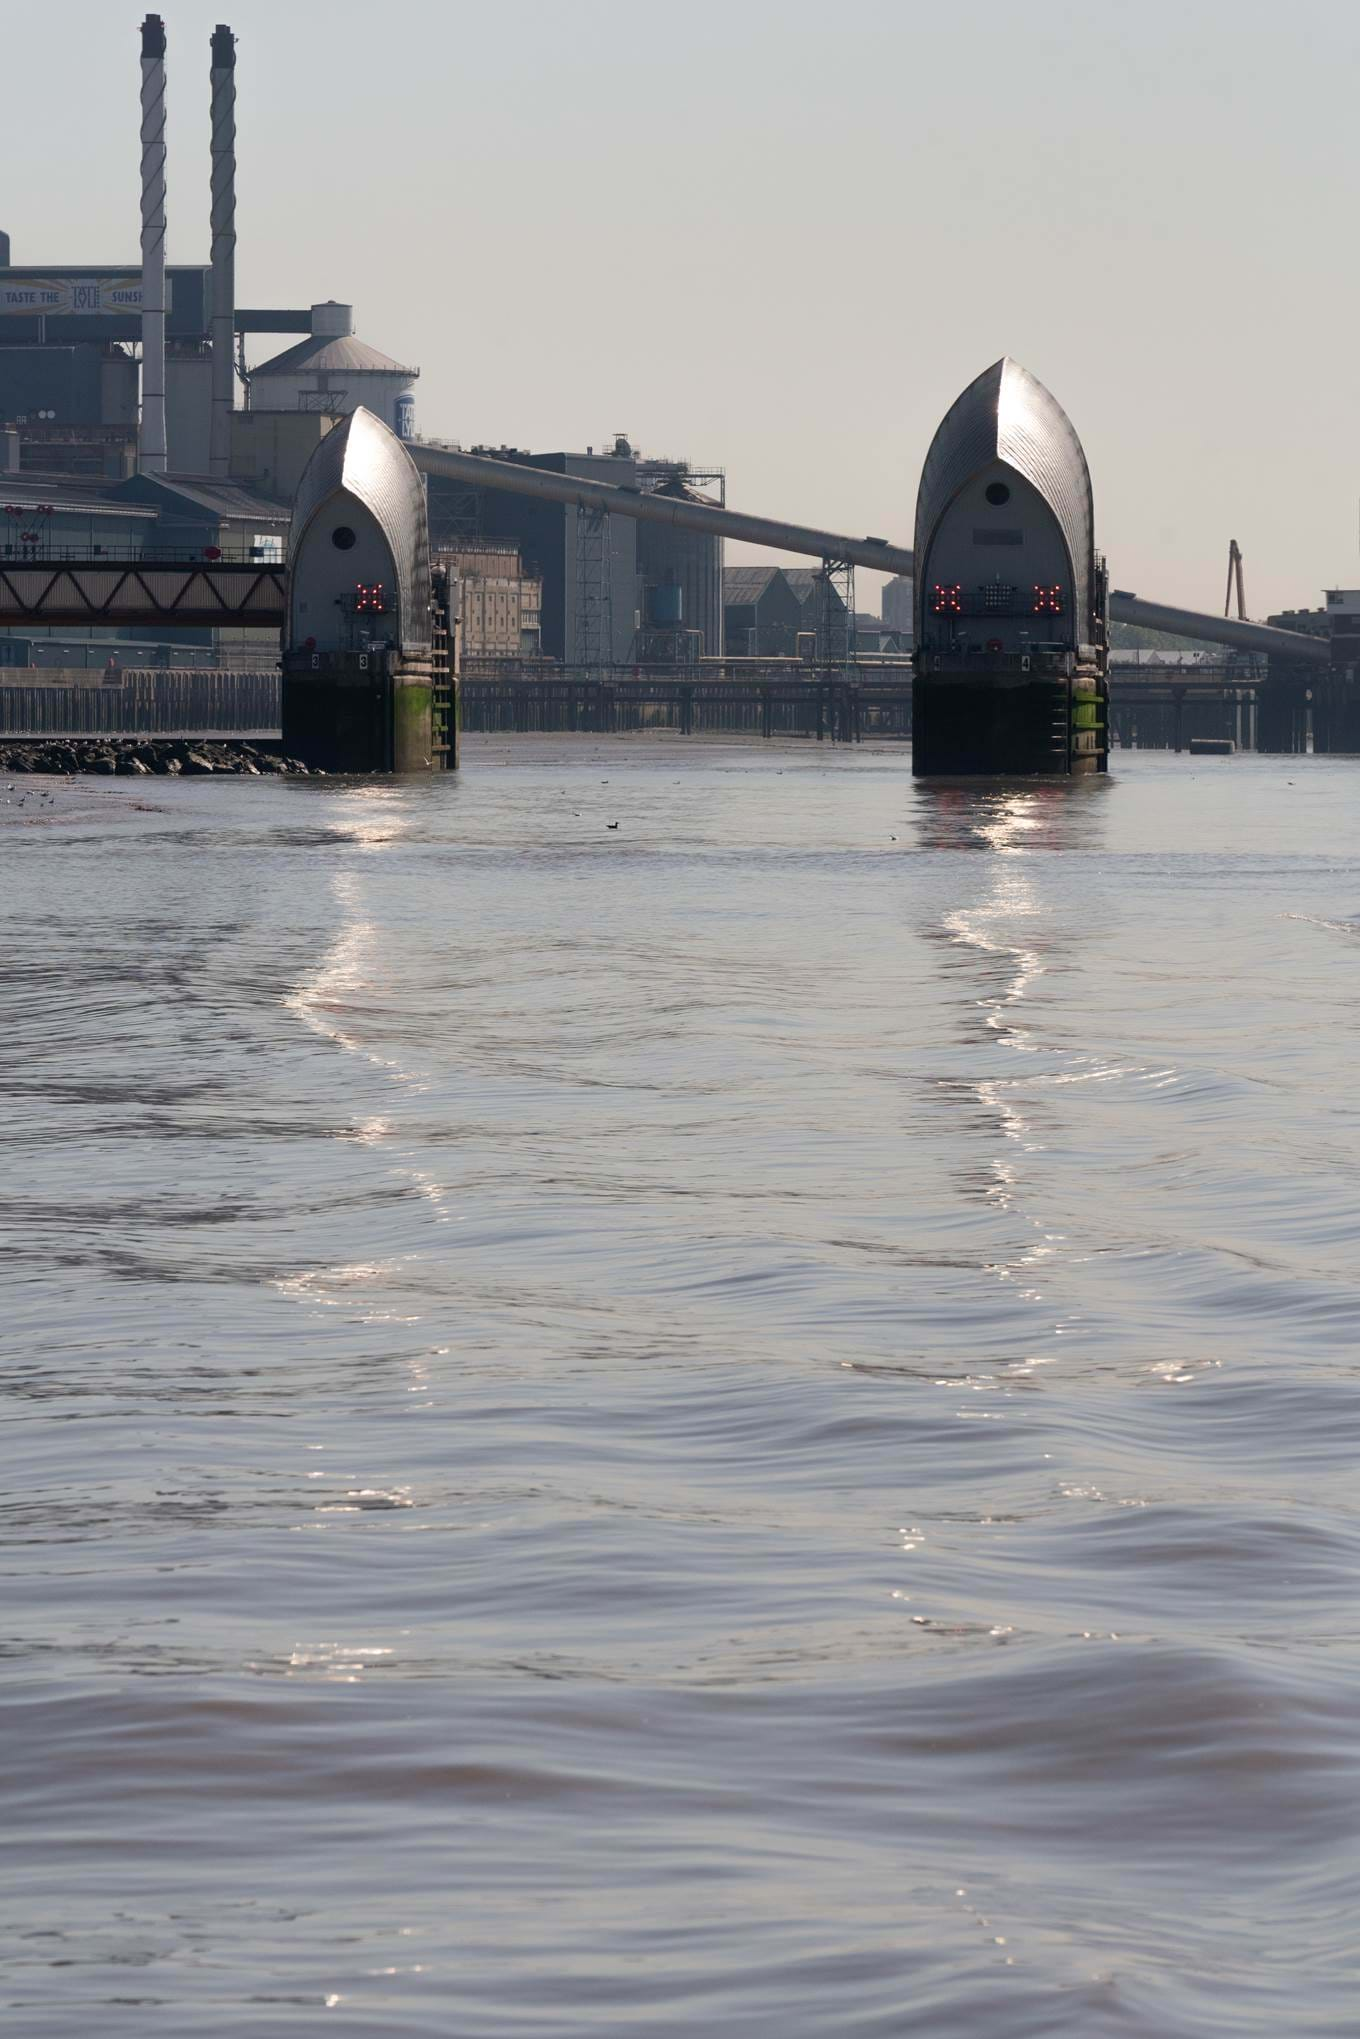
[(133, 757)]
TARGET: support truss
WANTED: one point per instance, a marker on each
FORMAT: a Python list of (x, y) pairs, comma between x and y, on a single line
[(205, 594)]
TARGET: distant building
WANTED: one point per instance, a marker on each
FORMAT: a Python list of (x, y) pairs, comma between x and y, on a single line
[(53, 513), (762, 615), (138, 518), (895, 605), (70, 378), (498, 604), (823, 607), (588, 562), (69, 383), (194, 513), (874, 635), (681, 572), (615, 591), (270, 449)]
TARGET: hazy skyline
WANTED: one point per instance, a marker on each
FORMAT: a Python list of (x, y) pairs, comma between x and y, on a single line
[(781, 240)]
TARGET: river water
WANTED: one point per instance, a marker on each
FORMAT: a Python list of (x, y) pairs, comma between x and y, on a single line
[(743, 1423)]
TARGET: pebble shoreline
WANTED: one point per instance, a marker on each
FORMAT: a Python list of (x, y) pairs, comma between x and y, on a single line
[(144, 757)]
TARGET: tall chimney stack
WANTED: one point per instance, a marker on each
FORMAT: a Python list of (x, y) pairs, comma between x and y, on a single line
[(153, 246), (223, 76)]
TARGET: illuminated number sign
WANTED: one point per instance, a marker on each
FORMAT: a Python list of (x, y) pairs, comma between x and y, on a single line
[(1048, 602), (369, 600), (947, 601)]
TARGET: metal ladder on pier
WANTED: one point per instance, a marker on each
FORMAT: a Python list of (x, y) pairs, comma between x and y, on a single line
[(443, 691)]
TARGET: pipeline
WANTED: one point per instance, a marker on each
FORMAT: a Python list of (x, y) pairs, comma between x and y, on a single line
[(1263, 638)]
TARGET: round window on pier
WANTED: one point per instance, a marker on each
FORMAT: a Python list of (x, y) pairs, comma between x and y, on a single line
[(997, 493), (342, 538)]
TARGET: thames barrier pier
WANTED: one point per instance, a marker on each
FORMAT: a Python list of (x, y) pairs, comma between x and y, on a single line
[(1011, 599), (366, 680)]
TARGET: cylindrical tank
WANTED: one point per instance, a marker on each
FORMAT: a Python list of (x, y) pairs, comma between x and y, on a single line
[(332, 321), (404, 415), (667, 605)]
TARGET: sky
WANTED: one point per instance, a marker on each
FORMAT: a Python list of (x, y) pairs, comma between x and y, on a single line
[(780, 238)]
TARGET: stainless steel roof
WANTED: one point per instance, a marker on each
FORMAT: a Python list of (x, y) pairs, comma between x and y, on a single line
[(361, 457), (1008, 415)]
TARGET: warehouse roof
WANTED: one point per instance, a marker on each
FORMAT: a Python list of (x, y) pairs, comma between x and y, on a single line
[(215, 498), (743, 584), (87, 495), (807, 581)]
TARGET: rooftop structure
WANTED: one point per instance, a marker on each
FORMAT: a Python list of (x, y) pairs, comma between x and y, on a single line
[(763, 614)]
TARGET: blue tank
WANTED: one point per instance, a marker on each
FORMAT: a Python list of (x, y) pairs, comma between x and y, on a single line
[(404, 419), (668, 606)]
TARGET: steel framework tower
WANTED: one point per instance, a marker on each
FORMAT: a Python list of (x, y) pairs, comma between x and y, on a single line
[(837, 618), (593, 637)]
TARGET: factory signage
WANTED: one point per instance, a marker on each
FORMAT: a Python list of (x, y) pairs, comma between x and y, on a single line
[(65, 296)]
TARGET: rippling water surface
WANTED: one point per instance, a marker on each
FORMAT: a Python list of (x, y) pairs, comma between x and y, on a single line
[(740, 1424)]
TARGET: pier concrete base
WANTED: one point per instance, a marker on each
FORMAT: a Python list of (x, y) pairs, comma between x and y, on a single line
[(361, 712), (999, 724)]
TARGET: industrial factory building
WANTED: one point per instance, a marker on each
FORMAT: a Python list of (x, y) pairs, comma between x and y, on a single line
[(614, 592), (782, 612), (896, 606), (132, 421), (763, 614), (143, 411), (499, 605)]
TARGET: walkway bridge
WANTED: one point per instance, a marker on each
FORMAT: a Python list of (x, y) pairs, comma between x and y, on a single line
[(94, 591)]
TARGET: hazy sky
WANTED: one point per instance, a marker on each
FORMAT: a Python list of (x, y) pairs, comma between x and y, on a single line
[(781, 237)]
